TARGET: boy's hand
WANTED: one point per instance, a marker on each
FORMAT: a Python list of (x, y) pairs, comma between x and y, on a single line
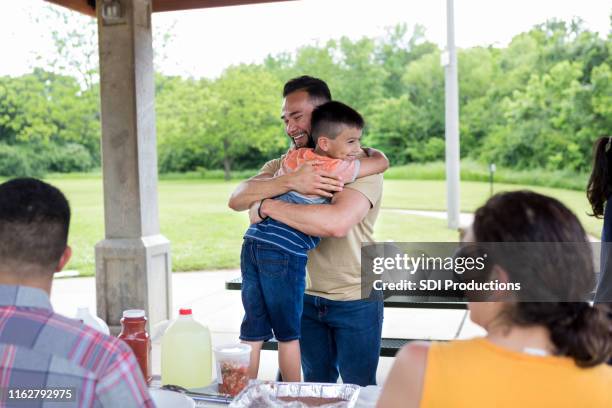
[(309, 180), (365, 152)]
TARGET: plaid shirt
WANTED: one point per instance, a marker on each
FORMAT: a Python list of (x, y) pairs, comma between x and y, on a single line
[(40, 349)]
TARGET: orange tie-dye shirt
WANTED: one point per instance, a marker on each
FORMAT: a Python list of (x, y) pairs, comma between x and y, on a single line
[(347, 170)]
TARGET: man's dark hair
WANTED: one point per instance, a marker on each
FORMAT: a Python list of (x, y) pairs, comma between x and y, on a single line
[(316, 88), (331, 118), (34, 221)]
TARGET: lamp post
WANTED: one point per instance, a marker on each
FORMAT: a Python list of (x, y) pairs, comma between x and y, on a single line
[(451, 99), (492, 169)]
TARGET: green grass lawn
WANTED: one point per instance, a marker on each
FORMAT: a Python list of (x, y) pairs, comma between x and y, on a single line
[(431, 195), (206, 234)]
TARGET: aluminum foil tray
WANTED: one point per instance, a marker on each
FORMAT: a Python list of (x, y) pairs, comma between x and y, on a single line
[(264, 394)]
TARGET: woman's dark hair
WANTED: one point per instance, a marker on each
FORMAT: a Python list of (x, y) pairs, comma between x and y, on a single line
[(600, 182), (577, 329)]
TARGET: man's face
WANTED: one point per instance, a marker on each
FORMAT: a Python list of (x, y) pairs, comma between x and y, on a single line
[(296, 113), (346, 146)]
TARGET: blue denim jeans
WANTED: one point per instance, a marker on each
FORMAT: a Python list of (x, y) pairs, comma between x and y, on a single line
[(273, 283), (341, 338)]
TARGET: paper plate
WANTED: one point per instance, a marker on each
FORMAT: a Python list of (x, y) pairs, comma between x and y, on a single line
[(170, 399)]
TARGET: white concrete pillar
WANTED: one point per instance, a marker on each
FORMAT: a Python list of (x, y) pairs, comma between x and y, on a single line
[(451, 98), (133, 268)]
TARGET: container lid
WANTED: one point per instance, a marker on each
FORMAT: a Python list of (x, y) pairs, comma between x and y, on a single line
[(185, 312), (133, 313), (234, 348)]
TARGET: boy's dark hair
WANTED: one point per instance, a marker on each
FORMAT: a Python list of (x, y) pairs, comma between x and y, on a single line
[(577, 329), (316, 88), (599, 187), (331, 118), (34, 221)]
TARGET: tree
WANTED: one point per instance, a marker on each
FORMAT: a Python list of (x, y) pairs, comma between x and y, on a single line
[(184, 112), (395, 51), (44, 113), (75, 38), (547, 124), (246, 115), (360, 80)]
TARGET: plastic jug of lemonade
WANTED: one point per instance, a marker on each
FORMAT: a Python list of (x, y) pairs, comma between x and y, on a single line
[(186, 353)]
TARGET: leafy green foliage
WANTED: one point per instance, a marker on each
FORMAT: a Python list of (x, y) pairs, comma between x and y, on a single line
[(14, 162), (538, 103), (69, 158)]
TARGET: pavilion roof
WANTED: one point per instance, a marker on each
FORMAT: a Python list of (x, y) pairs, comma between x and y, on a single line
[(89, 6)]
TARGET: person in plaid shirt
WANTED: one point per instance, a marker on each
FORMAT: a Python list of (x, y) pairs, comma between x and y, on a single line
[(42, 351)]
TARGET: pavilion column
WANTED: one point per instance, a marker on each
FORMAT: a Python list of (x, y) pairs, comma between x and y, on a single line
[(133, 268), (451, 100)]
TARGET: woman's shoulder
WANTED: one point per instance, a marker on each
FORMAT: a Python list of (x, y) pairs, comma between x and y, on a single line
[(404, 384), (414, 352), (411, 360), (459, 346)]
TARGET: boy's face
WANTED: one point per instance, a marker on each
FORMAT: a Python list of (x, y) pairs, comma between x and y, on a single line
[(346, 146)]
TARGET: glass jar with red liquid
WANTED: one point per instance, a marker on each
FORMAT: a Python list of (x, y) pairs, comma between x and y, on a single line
[(134, 333)]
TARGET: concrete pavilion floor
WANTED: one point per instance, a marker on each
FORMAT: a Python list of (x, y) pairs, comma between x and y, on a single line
[(221, 311)]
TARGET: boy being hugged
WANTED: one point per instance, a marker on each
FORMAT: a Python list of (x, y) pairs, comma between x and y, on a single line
[(274, 255)]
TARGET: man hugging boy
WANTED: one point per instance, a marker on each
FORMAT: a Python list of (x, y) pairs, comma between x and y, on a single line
[(274, 255)]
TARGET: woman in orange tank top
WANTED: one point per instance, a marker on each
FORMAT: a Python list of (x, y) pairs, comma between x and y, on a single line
[(535, 354)]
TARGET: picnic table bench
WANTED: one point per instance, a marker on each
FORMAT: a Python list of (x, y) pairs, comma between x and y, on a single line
[(397, 301)]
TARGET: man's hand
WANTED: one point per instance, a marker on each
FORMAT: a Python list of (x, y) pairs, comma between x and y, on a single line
[(309, 180), (254, 217)]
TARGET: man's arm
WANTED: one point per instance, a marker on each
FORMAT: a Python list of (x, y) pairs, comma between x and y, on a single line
[(305, 180), (263, 185), (346, 210)]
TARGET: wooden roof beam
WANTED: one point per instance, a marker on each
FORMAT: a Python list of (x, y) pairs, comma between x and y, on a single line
[(82, 6), (174, 5), (89, 6)]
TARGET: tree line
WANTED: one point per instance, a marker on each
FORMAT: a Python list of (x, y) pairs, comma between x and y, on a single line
[(539, 102)]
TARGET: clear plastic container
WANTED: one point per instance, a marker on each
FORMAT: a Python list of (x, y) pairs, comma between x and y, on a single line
[(186, 357), (232, 367), (91, 320)]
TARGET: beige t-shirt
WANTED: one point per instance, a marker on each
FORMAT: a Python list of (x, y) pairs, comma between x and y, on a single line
[(334, 266)]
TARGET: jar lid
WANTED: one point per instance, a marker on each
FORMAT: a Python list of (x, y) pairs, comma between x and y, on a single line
[(184, 311), (133, 313), (234, 348)]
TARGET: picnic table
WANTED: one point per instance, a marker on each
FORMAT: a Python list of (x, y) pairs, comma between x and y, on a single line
[(367, 396), (390, 346)]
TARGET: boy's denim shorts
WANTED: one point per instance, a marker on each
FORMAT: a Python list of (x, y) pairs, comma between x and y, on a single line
[(273, 283)]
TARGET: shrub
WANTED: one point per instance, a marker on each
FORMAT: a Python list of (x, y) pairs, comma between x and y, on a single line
[(14, 162), (69, 158)]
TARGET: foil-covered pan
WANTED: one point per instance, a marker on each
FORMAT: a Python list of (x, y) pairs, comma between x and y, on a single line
[(263, 394)]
